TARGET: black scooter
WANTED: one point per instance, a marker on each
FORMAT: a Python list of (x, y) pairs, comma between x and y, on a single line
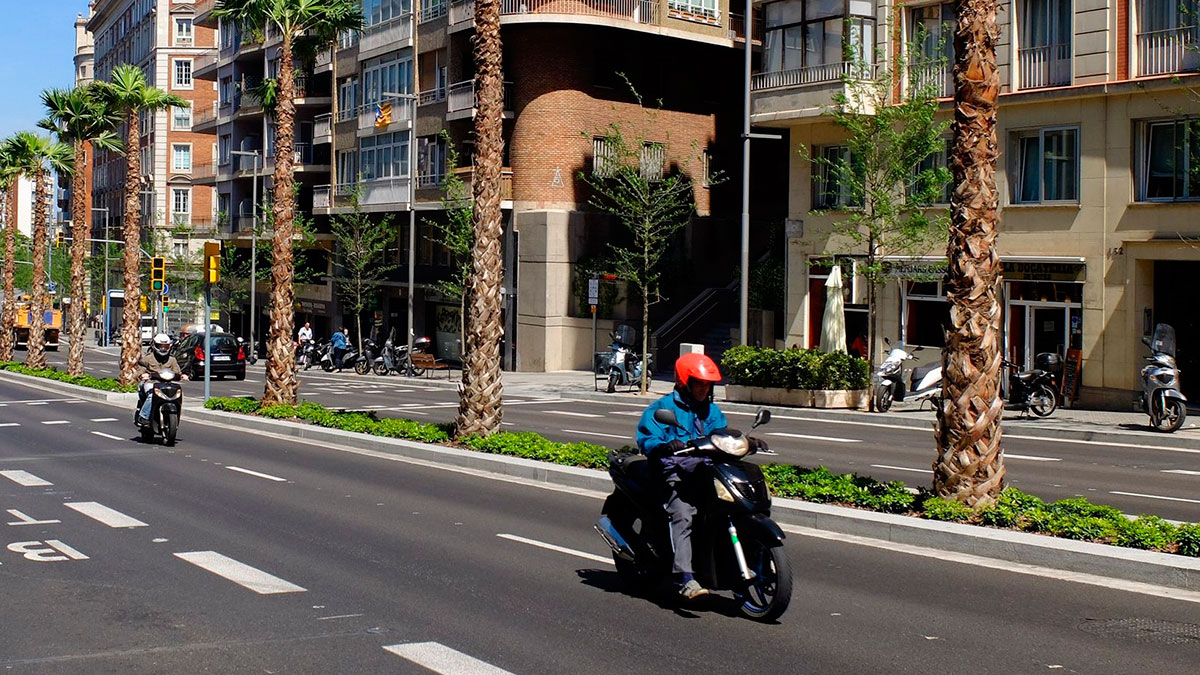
[(165, 407), (735, 544), (1033, 390)]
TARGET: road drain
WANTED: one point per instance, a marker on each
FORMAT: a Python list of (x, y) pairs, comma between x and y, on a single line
[(1145, 630)]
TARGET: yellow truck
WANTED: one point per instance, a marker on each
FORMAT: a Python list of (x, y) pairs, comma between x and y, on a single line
[(53, 319)]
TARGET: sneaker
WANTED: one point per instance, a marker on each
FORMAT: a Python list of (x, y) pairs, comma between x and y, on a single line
[(692, 590)]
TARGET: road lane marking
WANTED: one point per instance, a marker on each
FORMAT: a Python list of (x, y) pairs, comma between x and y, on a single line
[(900, 468), (1114, 444), (552, 547), (239, 573), (57, 422), (338, 616), (1185, 472), (104, 419), (110, 517), (565, 412), (10, 424), (441, 659), (831, 439), (1138, 494), (1009, 455), (110, 436), (248, 472), (38, 403), (626, 413), (597, 433), (27, 520), (25, 479)]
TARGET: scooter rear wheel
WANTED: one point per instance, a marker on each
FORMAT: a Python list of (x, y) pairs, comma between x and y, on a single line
[(381, 369), (768, 594), (1043, 401)]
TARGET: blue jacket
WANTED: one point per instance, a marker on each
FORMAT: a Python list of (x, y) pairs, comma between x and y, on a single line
[(651, 435), (338, 340)]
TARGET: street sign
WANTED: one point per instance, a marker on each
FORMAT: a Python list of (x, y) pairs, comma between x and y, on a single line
[(166, 287), (52, 287), (593, 291)]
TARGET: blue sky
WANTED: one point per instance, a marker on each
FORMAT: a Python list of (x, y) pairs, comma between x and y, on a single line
[(37, 52)]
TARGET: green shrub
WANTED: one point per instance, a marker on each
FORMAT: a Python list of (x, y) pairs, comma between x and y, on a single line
[(535, 446), (794, 368), (820, 485), (243, 404), (1010, 508), (1147, 532), (1187, 539), (89, 381), (936, 508)]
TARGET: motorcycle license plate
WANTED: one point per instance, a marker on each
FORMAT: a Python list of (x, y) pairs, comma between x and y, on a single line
[(221, 357)]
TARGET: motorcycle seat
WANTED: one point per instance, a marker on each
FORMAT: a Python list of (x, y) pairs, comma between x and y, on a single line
[(920, 372)]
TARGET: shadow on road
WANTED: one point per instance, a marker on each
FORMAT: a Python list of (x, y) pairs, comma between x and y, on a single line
[(662, 596)]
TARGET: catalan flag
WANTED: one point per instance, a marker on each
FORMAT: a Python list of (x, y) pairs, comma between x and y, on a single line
[(383, 114)]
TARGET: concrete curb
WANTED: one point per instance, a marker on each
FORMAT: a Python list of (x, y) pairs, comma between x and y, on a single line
[(72, 390), (1161, 569)]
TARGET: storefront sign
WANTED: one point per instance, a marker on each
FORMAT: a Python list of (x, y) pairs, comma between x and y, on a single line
[(1044, 271), (915, 270)]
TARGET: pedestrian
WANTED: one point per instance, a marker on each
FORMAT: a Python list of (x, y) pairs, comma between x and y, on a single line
[(339, 343), (304, 335)]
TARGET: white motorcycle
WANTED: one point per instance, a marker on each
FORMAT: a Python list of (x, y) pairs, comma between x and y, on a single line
[(925, 382)]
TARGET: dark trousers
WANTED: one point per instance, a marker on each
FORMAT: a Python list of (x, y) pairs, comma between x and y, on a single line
[(338, 355), (677, 474)]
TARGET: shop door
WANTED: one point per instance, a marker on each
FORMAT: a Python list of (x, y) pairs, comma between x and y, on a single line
[(1047, 332), (1173, 282)]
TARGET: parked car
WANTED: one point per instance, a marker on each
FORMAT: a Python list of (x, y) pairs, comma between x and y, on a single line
[(229, 358)]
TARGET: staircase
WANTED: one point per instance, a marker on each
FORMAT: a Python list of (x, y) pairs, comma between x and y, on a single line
[(717, 340), (705, 320)]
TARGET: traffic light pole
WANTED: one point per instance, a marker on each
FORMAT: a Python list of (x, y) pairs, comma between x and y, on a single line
[(207, 342)]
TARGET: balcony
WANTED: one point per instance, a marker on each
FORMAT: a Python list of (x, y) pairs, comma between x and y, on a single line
[(382, 191), (202, 227), (635, 11), (432, 9), (206, 119), (385, 35), (1045, 66), (935, 77), (801, 92), (323, 128), (461, 101), (204, 10), (322, 196), (467, 173), (324, 62), (205, 65), (401, 112), (737, 27), (431, 96), (1163, 52)]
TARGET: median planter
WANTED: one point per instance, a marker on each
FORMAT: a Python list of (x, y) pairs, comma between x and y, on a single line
[(797, 398)]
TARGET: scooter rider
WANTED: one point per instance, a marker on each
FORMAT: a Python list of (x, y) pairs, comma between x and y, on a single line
[(691, 401), (158, 358)]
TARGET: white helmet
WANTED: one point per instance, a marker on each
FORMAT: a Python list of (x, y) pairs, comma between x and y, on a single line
[(162, 344)]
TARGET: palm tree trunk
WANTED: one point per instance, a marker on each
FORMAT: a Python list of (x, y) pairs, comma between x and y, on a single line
[(131, 338), (281, 384), (970, 465), (35, 356), (79, 236), (480, 404), (8, 317)]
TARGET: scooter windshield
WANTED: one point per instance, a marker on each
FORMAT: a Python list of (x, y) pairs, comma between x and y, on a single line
[(1163, 340)]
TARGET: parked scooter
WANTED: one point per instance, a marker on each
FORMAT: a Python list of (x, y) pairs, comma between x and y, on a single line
[(925, 382), (165, 407), (1161, 398), (395, 358), (370, 353), (1033, 390), (736, 545), (352, 358), (314, 352), (625, 365), (305, 352), (250, 350)]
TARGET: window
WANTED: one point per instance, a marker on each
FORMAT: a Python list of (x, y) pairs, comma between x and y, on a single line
[(179, 249), (706, 170), (224, 149), (652, 161), (181, 157), (384, 156), (809, 33), (181, 206), (224, 203), (431, 160), (346, 170), (926, 314), (183, 32), (183, 73), (181, 118), (604, 157), (379, 11), (705, 8), (386, 74), (1046, 166), (230, 35), (347, 97), (831, 189), (227, 91), (1169, 160)]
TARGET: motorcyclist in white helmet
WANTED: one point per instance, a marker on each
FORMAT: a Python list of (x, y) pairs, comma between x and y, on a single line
[(158, 358)]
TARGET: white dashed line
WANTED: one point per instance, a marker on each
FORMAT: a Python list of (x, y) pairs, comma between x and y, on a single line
[(108, 436), (104, 419), (830, 439), (1184, 472), (248, 472), (901, 468), (10, 424), (39, 403), (57, 422), (596, 433), (561, 549), (566, 412), (25, 479), (239, 573), (1170, 499), (1009, 455), (442, 659), (103, 514)]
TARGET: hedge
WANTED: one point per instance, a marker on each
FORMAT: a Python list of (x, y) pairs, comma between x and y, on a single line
[(794, 368), (1074, 518), (104, 384)]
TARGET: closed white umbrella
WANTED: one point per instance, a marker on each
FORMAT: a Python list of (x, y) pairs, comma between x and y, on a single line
[(833, 322)]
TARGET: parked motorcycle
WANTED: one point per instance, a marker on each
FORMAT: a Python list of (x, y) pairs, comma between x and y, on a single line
[(365, 361), (624, 365), (314, 352), (305, 352), (1161, 398), (925, 382), (736, 545), (394, 358), (351, 358), (250, 351), (1033, 390), (166, 405)]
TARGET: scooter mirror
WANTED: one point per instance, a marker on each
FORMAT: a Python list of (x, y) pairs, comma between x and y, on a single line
[(917, 349), (667, 417), (1146, 341), (762, 417), (887, 341)]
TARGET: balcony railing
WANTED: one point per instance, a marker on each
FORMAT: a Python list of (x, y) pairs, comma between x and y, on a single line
[(322, 196), (932, 76), (367, 112), (737, 26), (426, 181), (323, 126), (303, 153), (432, 9), (818, 74), (1167, 51), (386, 33), (461, 96), (205, 115), (637, 11), (324, 58), (467, 173), (383, 191), (431, 96), (206, 60), (1045, 66)]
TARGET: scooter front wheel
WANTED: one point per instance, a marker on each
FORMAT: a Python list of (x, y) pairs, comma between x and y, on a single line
[(767, 596), (1043, 402), (170, 426), (883, 399), (381, 369), (1171, 417), (362, 367), (613, 380)]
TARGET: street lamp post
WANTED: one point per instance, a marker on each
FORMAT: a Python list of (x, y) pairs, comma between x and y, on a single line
[(412, 213), (253, 241), (106, 307)]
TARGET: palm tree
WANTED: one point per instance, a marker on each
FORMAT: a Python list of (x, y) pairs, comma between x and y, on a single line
[(10, 174), (82, 119), (305, 26), (127, 95), (970, 466), (479, 407), (34, 154)]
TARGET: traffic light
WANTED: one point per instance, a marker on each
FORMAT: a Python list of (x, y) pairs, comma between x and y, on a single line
[(60, 239), (158, 273), (166, 301), (145, 304), (212, 261)]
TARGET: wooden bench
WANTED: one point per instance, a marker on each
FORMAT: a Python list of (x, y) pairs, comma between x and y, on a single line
[(428, 363)]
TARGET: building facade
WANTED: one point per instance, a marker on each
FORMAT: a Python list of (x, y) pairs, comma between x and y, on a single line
[(1099, 219)]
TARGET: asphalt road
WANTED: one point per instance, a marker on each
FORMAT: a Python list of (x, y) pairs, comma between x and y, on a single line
[(236, 552)]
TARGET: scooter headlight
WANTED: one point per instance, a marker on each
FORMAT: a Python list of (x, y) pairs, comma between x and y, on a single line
[(723, 492), (1165, 377), (889, 368), (737, 446)]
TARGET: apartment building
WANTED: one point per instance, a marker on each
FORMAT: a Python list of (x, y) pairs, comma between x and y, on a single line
[(84, 74), (161, 38), (563, 67), (1099, 218)]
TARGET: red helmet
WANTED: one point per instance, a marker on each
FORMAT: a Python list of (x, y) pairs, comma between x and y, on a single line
[(696, 366)]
